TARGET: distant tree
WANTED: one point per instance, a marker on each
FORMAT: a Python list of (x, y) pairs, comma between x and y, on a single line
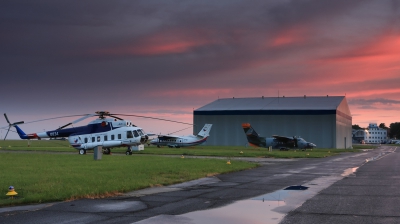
[(383, 125), (356, 126), (395, 130)]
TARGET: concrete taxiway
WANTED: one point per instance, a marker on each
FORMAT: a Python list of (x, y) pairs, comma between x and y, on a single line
[(348, 188)]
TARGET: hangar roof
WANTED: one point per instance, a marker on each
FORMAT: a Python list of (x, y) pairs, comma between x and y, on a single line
[(275, 103)]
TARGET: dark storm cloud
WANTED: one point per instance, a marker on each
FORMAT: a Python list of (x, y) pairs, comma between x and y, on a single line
[(84, 53), (63, 33)]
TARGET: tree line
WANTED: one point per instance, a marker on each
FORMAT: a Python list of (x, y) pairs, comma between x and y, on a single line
[(393, 129)]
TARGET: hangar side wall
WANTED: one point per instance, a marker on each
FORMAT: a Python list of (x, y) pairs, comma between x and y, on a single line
[(227, 129), (343, 126)]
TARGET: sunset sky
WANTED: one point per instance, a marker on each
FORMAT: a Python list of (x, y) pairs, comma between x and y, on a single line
[(165, 58)]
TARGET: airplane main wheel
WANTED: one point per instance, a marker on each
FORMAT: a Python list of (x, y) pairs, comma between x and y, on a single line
[(82, 152)]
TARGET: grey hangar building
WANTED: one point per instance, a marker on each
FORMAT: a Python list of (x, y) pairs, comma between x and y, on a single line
[(323, 120)]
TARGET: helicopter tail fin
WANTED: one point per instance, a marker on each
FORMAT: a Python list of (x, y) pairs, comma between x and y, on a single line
[(21, 133)]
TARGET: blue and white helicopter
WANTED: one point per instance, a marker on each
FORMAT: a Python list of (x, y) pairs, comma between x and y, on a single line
[(106, 132)]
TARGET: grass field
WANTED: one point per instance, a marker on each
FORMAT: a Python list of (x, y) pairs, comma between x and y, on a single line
[(221, 151), (45, 177), (41, 177)]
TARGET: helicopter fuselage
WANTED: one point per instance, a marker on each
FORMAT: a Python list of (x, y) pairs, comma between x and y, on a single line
[(106, 132)]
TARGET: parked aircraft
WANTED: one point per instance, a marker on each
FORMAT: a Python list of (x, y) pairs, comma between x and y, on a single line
[(182, 141), (276, 142), (106, 132)]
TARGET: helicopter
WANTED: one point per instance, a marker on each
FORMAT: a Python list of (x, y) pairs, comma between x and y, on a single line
[(108, 131)]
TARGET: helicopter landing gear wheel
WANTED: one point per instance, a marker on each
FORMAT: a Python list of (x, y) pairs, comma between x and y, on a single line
[(107, 151), (128, 153), (82, 152)]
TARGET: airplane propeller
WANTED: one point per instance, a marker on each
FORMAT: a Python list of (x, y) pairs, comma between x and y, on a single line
[(295, 141), (10, 125)]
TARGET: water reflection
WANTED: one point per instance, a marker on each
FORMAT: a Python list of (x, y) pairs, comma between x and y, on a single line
[(247, 211), (349, 171)]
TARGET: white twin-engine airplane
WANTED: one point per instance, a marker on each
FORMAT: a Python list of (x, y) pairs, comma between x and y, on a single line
[(182, 141), (105, 132)]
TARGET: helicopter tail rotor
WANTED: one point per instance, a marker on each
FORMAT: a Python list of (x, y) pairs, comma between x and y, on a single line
[(10, 125)]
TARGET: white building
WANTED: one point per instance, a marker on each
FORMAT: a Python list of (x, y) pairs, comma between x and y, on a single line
[(374, 134)]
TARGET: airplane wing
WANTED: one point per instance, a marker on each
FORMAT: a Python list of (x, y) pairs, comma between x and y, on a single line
[(282, 138)]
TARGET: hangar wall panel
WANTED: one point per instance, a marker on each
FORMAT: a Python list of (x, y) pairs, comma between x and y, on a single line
[(227, 129)]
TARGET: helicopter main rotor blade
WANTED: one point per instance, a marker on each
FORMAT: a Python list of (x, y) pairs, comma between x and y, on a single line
[(155, 118), (115, 117), (76, 121), (53, 118)]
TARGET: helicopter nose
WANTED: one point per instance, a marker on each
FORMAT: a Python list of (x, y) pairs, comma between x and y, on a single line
[(312, 144), (143, 139)]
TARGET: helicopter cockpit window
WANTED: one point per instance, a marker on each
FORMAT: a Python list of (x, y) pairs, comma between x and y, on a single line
[(140, 132), (135, 133), (129, 134)]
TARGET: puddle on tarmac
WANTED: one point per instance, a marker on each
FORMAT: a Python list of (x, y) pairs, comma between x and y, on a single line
[(268, 208), (349, 171)]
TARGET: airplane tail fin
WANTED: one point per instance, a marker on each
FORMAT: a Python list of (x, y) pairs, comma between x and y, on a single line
[(205, 131), (252, 137)]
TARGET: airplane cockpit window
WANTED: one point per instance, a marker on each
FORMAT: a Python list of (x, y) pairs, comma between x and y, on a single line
[(129, 134), (135, 133)]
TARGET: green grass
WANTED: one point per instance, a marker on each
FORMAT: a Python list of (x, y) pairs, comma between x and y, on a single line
[(37, 145), (56, 177), (43, 177), (241, 151), (362, 146), (221, 151)]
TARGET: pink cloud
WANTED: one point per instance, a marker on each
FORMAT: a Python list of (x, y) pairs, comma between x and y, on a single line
[(161, 43), (293, 35)]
